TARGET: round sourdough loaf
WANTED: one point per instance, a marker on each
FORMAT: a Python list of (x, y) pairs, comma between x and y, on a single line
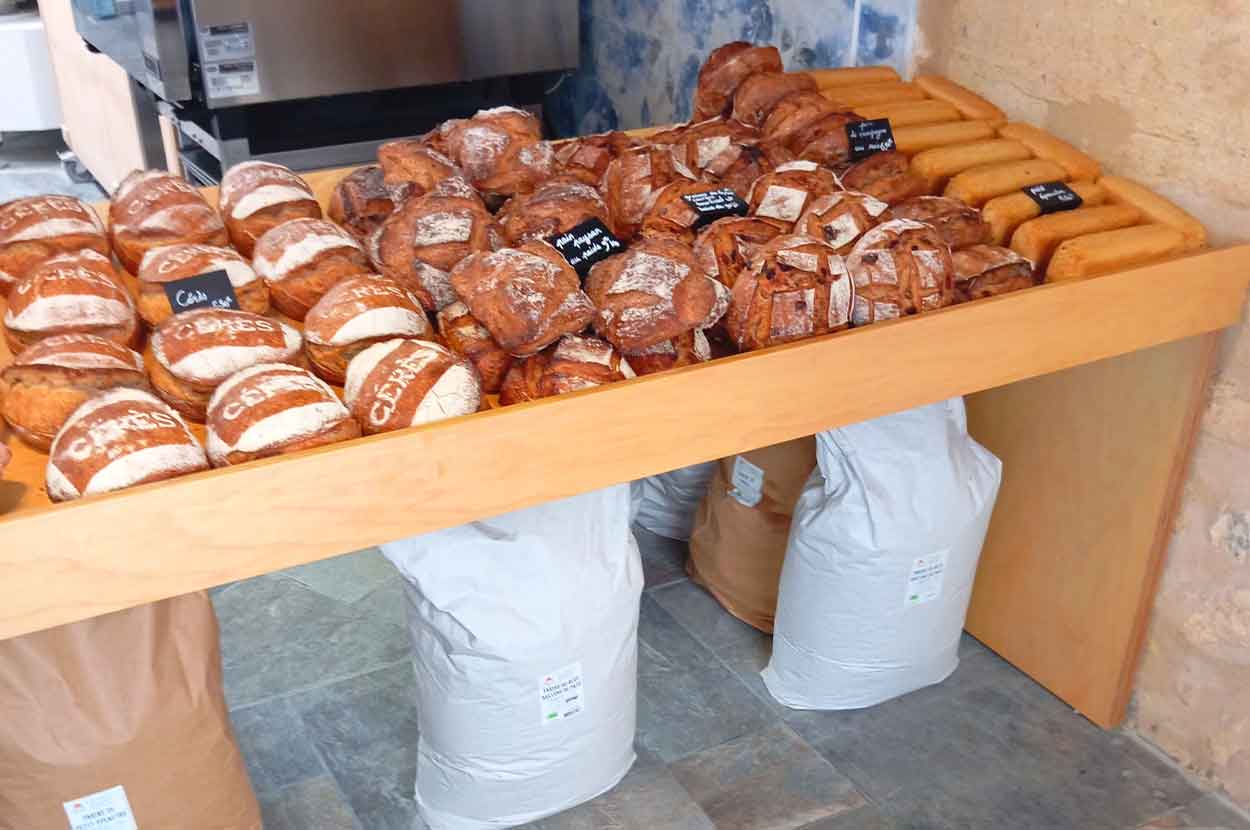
[(989, 270), (841, 218), (574, 362), (888, 176), (786, 192), (363, 199), (411, 164), (118, 439), (725, 69), (468, 338), (355, 314), (587, 158), (725, 248), (195, 351), (794, 113), (38, 227), (152, 208), (900, 267), (46, 382), (171, 263), (500, 150), (758, 93), (405, 383), (302, 259), (257, 195), (631, 182), (710, 147), (70, 293), (825, 140), (683, 350), (555, 206), (273, 409), (958, 224)]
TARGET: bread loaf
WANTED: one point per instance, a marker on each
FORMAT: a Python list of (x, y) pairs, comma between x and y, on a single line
[(151, 209), (38, 227), (195, 351), (671, 215), (988, 271), (48, 381), (555, 206), (396, 384), (171, 263), (67, 294), (1037, 239), (526, 297), (724, 70), (587, 158), (978, 185), (575, 362), (957, 224), (756, 96), (899, 268), (255, 196), (1046, 146), (841, 218), (302, 259), (468, 338), (825, 141), (912, 113), (411, 165), (887, 176), (969, 104), (1110, 251), (793, 113), (683, 350), (633, 179), (786, 192), (711, 147), (653, 292), (363, 199), (118, 439), (355, 314), (273, 409), (1005, 213), (523, 382), (727, 246), (500, 151)]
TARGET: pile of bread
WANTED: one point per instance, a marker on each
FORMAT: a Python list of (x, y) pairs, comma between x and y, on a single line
[(432, 283)]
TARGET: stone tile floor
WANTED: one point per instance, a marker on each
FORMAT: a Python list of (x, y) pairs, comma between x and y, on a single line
[(322, 699), (29, 167)]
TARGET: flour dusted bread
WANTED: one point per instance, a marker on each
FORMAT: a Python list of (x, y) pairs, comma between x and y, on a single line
[(900, 267), (355, 314), (632, 181), (38, 227), (724, 71), (887, 176), (587, 158), (152, 208), (273, 409), (709, 148), (302, 259), (258, 195), (171, 263), (671, 215), (990, 270), (795, 112), (840, 219), (412, 166), (398, 384), (500, 150), (118, 439), (683, 350), (48, 381), (70, 293), (957, 224), (468, 338), (786, 192), (726, 247), (756, 96), (363, 199), (555, 206), (575, 362)]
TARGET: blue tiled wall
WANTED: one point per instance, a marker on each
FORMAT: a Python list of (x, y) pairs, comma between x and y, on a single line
[(640, 58)]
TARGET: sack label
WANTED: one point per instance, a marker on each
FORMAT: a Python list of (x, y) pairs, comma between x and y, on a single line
[(924, 582), (748, 482), (106, 810), (561, 694)]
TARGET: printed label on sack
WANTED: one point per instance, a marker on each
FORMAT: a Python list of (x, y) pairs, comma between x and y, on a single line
[(748, 482), (924, 582), (105, 810), (226, 42), (585, 244), (561, 694), (869, 137), (715, 204), (230, 79), (1052, 197), (209, 290)]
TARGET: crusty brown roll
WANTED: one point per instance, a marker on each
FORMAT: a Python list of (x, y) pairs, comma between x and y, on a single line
[(797, 287), (887, 176), (38, 227), (468, 338), (754, 161), (554, 207), (841, 218), (900, 267), (526, 297), (588, 158), (671, 215), (356, 313), (726, 247), (79, 293), (710, 147), (523, 381), (195, 351), (957, 224), (258, 195), (653, 292), (759, 93), (410, 164), (989, 270), (363, 199), (574, 362), (786, 192), (396, 384), (631, 182), (152, 209), (683, 350), (48, 381), (825, 141), (422, 241), (724, 70), (273, 409), (501, 151), (161, 266), (302, 259), (793, 113)]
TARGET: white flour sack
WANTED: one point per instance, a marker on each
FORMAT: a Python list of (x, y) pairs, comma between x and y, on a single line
[(882, 553), (668, 501), (524, 634)]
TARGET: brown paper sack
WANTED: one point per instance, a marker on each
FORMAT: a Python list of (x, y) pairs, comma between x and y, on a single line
[(736, 551), (123, 709)]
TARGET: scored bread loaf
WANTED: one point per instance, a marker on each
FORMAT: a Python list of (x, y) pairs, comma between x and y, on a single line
[(756, 96), (724, 70), (671, 215), (957, 224), (793, 113), (195, 351), (575, 362), (255, 196), (825, 141), (117, 439), (711, 147), (887, 176), (46, 382), (786, 192), (555, 206), (500, 150), (161, 266), (410, 164), (632, 180), (302, 259), (38, 227), (471, 340), (396, 384), (841, 218), (273, 409), (355, 314), (587, 158), (900, 267), (990, 270), (727, 246), (71, 293), (683, 350), (153, 208), (363, 199)]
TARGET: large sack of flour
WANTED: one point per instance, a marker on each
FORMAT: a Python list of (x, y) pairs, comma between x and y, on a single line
[(524, 634), (667, 502), (119, 722), (882, 554)]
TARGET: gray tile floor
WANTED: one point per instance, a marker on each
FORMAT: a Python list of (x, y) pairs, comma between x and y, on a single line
[(29, 166), (322, 700)]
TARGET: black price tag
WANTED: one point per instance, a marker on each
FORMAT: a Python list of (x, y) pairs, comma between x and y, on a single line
[(585, 244), (715, 204), (868, 138), (210, 290), (1052, 197)]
